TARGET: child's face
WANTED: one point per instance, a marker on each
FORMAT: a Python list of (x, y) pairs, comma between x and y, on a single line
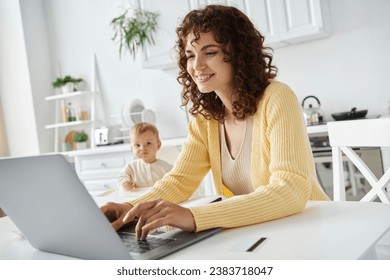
[(145, 146)]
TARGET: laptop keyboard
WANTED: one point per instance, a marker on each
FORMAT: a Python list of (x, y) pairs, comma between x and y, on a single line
[(138, 247)]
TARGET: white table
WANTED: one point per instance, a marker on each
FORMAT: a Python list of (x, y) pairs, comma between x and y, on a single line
[(325, 230)]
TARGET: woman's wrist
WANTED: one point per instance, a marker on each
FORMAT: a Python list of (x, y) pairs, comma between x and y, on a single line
[(128, 203)]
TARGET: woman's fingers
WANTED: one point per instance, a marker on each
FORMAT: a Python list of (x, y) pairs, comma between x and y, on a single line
[(110, 210), (140, 210), (154, 214), (117, 224), (115, 213), (151, 225), (144, 219)]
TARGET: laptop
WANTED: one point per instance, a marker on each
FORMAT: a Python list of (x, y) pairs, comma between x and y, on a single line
[(48, 203)]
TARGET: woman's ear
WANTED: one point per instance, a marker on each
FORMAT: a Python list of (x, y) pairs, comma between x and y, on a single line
[(159, 144)]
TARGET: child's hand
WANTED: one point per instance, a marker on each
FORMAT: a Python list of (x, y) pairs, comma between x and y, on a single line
[(128, 185)]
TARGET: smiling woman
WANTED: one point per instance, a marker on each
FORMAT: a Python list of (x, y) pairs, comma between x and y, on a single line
[(247, 128)]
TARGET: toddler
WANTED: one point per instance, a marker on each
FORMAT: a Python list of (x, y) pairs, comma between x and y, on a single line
[(147, 169)]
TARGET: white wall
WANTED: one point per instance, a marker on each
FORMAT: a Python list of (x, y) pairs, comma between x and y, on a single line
[(15, 85), (77, 29), (39, 68), (348, 69)]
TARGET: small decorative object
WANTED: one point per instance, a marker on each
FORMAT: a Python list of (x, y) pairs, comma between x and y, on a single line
[(83, 113), (70, 113), (67, 83), (133, 28), (68, 144), (80, 139)]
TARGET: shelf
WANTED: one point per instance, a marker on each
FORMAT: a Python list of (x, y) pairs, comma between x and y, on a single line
[(85, 101), (67, 124), (68, 95)]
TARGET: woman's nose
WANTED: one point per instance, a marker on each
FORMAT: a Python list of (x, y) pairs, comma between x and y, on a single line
[(199, 64)]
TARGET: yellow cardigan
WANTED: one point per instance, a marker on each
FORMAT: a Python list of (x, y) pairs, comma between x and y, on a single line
[(282, 166)]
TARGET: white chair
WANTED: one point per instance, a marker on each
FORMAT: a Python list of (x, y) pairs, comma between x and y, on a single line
[(345, 135)]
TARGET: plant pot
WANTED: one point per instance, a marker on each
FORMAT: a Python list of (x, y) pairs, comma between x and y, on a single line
[(66, 147), (80, 145), (68, 87)]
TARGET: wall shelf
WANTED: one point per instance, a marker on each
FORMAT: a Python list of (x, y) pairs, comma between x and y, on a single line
[(82, 99), (67, 124), (69, 95)]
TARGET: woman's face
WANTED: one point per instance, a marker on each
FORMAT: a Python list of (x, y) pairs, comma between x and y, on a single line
[(206, 65)]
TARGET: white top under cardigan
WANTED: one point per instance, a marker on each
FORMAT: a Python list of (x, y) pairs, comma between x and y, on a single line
[(236, 171)]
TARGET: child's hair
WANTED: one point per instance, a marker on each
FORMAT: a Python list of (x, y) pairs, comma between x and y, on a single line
[(142, 127)]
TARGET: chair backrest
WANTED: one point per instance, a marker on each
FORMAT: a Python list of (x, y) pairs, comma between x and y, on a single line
[(345, 135)]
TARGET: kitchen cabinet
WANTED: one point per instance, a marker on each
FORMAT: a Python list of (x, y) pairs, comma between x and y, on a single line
[(263, 14), (99, 171), (282, 22), (302, 20), (286, 22)]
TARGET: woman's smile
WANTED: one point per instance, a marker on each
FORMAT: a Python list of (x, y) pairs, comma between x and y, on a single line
[(204, 78)]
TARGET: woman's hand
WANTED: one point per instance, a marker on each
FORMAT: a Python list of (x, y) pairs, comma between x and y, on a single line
[(115, 212), (154, 214)]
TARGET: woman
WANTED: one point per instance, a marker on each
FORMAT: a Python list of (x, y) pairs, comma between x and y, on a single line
[(247, 128)]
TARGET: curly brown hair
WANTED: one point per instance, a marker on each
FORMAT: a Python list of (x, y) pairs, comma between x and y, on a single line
[(242, 45)]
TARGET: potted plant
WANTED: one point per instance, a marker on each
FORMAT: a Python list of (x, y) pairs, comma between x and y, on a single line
[(133, 29), (80, 139), (67, 83)]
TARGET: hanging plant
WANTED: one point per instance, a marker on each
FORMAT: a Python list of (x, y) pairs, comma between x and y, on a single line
[(133, 29)]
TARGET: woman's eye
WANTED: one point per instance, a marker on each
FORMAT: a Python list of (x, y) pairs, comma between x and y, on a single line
[(190, 57), (211, 53)]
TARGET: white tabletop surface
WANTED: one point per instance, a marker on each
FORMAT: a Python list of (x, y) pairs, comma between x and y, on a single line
[(324, 230), (323, 128)]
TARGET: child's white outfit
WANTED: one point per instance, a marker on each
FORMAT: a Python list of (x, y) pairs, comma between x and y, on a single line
[(144, 174)]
